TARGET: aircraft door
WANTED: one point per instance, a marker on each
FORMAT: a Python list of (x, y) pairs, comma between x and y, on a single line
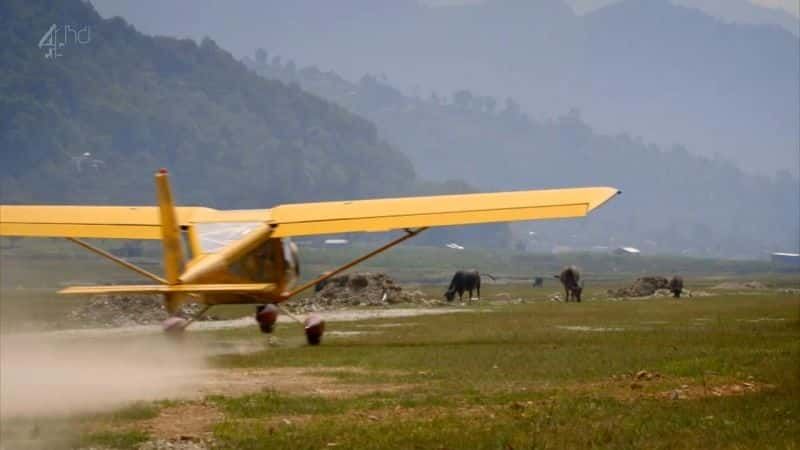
[(291, 263)]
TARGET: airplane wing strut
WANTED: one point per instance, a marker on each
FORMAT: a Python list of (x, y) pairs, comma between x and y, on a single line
[(409, 233)]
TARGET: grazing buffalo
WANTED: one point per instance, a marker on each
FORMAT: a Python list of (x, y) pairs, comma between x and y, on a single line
[(464, 280), (676, 286), (570, 277)]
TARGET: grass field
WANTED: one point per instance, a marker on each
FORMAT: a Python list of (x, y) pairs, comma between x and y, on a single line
[(713, 372)]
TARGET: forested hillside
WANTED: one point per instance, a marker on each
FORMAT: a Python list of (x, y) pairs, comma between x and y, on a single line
[(672, 200), (136, 103), (92, 123)]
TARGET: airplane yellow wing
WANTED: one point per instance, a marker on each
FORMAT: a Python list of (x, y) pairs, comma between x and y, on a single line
[(80, 221), (108, 222), (441, 210), (142, 222)]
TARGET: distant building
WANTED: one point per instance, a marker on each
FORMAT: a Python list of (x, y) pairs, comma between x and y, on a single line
[(85, 161), (786, 259), (336, 241), (627, 251)]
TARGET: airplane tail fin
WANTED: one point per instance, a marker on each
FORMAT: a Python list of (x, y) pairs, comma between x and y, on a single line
[(170, 231), (170, 239)]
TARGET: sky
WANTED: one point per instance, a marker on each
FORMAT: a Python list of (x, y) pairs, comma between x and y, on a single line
[(791, 6), (582, 6)]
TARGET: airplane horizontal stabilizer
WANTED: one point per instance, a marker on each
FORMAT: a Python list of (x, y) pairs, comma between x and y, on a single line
[(249, 288)]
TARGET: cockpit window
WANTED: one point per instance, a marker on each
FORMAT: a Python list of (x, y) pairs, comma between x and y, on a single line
[(215, 236), (289, 252)]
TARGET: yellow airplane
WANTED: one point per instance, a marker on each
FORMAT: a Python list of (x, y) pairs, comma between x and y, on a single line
[(217, 257)]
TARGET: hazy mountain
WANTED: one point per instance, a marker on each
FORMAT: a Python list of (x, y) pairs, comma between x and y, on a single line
[(647, 67), (745, 12), (722, 89), (739, 11), (672, 201)]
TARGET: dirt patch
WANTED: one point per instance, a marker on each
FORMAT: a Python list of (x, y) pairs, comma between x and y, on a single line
[(350, 315), (645, 384), (585, 328), (691, 392), (388, 325), (175, 444), (741, 286), (184, 422), (763, 319), (359, 289), (189, 425), (289, 380)]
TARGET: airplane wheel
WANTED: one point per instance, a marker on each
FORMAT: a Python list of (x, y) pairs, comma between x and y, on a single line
[(266, 316), (314, 328), (174, 326)]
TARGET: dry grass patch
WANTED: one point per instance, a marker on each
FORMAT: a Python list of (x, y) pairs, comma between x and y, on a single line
[(186, 421), (653, 385), (288, 380)]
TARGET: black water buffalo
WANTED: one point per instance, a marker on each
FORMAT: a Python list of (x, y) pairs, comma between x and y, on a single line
[(570, 277), (676, 286), (464, 280)]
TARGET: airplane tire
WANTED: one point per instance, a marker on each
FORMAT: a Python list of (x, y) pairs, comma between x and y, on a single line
[(174, 326), (266, 316), (314, 327)]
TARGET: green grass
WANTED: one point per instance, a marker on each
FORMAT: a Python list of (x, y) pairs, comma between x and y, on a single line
[(559, 422), (537, 374), (514, 378), (137, 411), (118, 440)]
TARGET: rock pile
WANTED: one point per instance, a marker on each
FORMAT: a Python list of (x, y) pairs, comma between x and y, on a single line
[(734, 286), (359, 289), (351, 290), (642, 287), (127, 310)]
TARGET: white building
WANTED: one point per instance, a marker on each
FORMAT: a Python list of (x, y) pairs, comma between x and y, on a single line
[(786, 259)]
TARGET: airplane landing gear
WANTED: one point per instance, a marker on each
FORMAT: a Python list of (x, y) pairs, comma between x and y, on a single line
[(314, 327), (174, 326), (266, 316)]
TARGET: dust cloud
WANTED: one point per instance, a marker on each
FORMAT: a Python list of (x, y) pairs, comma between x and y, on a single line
[(52, 375), (78, 371)]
